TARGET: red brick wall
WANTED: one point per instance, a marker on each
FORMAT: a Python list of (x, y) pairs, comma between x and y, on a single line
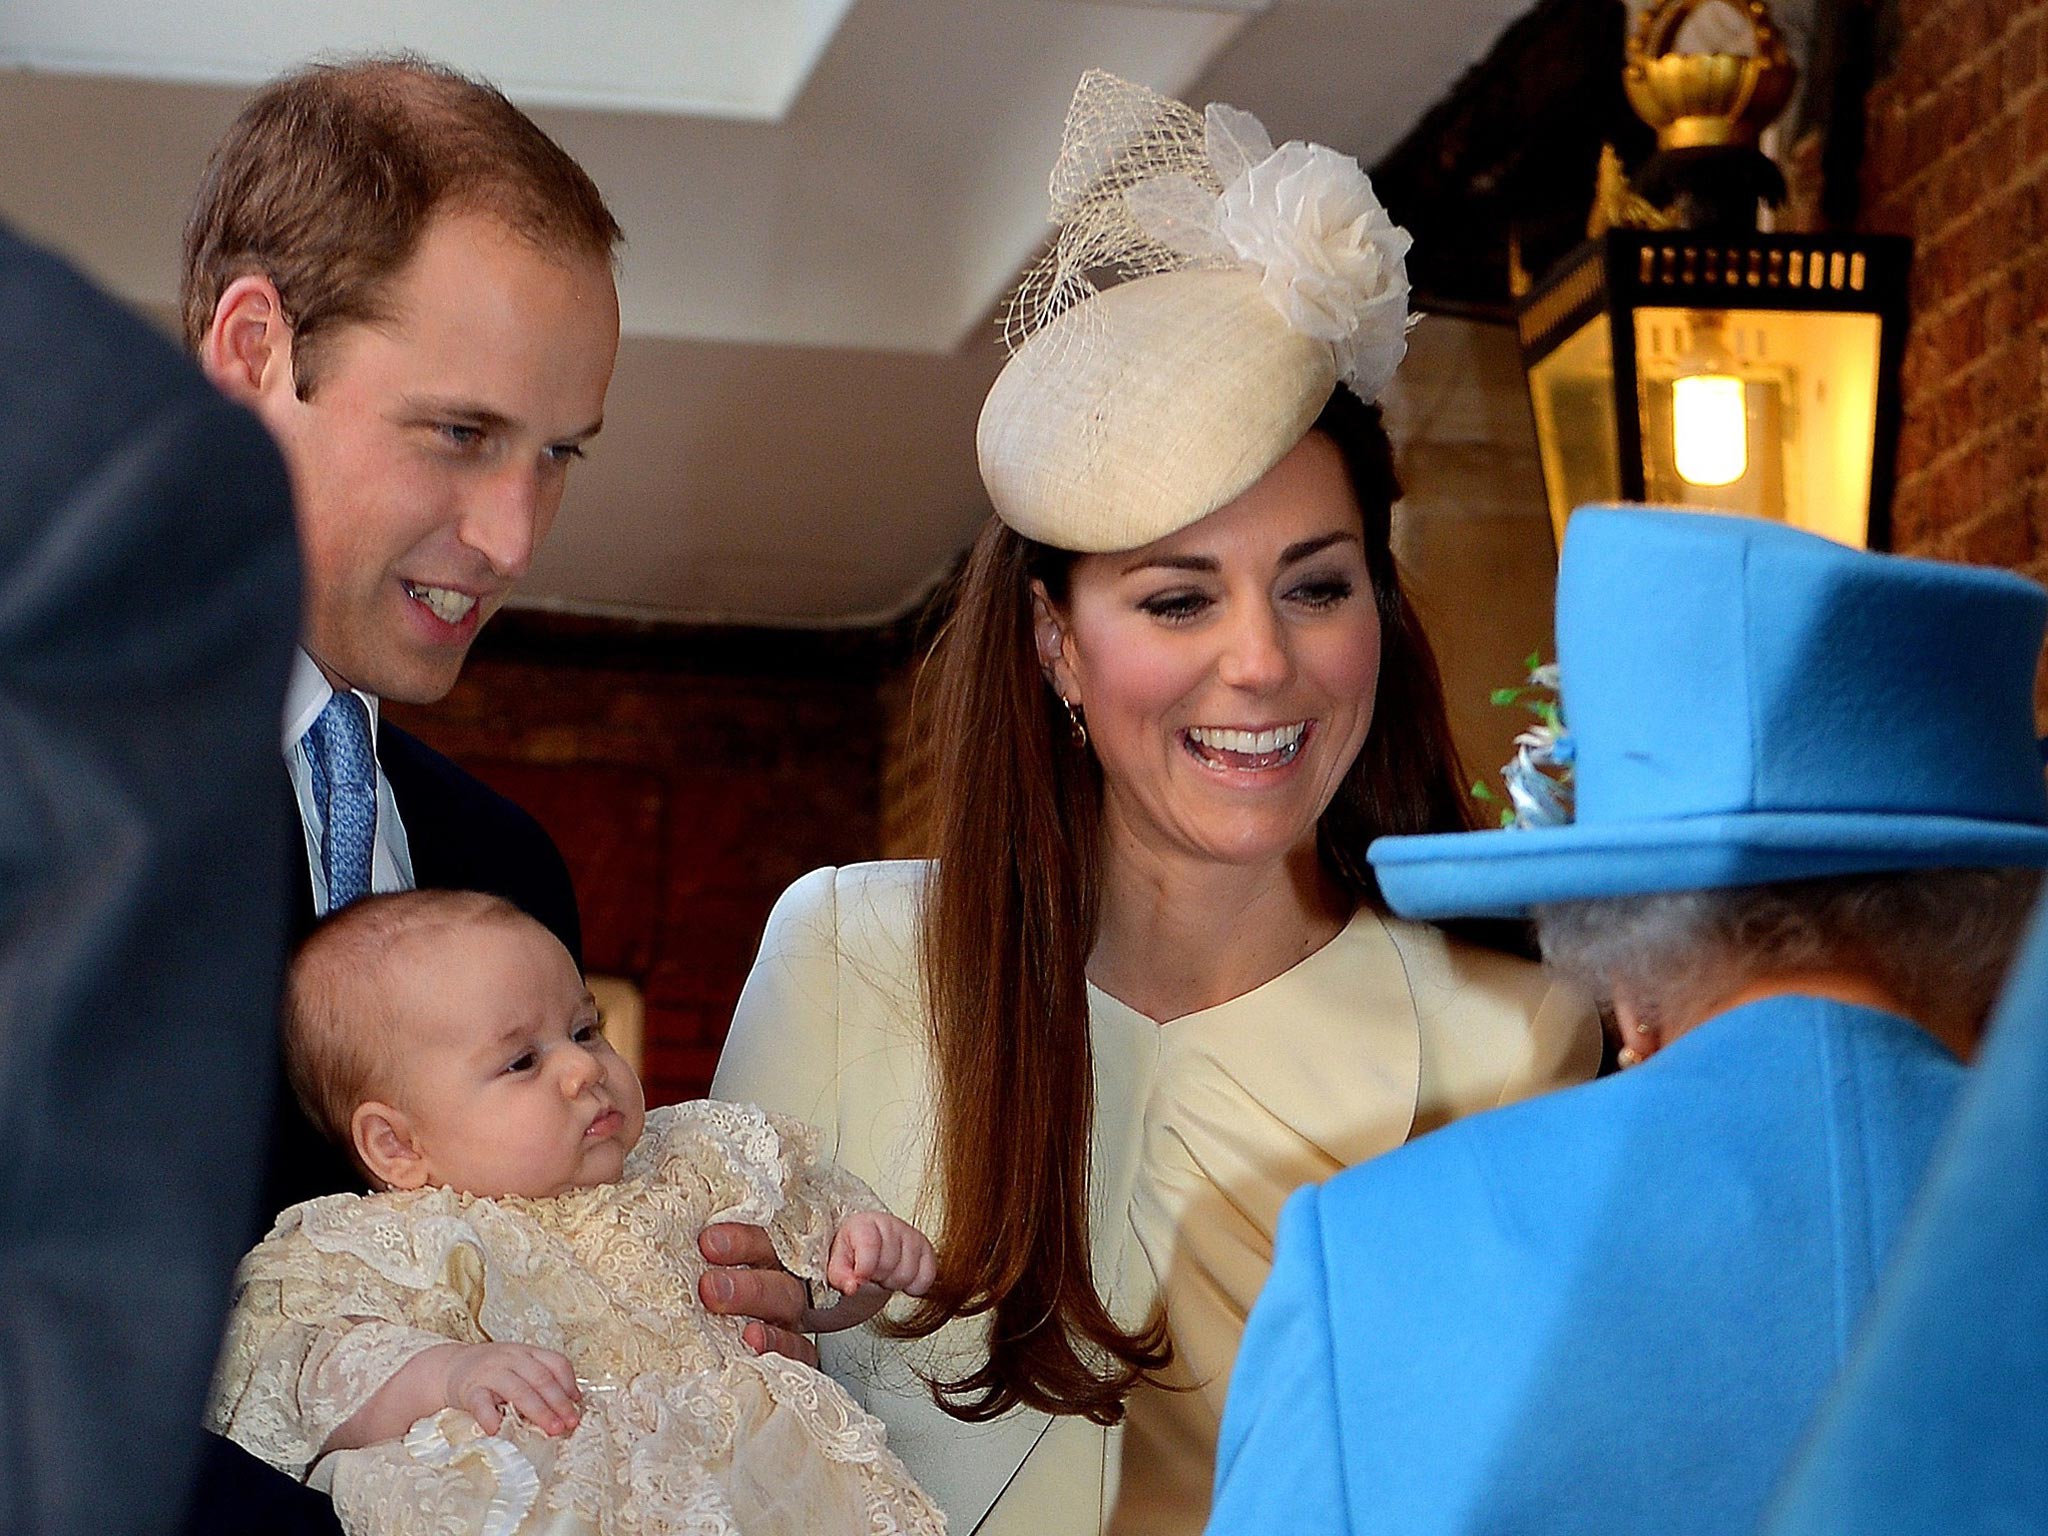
[(685, 792), (1956, 156)]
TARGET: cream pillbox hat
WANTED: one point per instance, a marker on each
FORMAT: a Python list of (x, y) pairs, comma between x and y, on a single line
[(1255, 280)]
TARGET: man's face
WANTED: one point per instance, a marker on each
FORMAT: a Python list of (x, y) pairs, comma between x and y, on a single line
[(430, 460)]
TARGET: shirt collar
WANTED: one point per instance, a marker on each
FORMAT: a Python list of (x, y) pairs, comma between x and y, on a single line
[(307, 693)]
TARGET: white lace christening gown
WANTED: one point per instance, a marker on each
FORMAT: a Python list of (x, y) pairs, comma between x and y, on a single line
[(683, 1428)]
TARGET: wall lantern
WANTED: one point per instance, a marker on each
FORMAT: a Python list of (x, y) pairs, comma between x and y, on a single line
[(1681, 356)]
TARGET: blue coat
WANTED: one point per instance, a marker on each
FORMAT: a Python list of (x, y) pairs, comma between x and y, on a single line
[(1610, 1309), (1941, 1422)]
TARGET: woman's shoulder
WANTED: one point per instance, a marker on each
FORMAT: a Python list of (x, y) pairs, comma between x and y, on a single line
[(848, 907), (1433, 949), (1444, 967), (1503, 1014), (877, 882), (836, 978)]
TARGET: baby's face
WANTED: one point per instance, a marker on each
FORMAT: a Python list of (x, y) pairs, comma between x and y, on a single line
[(507, 1080)]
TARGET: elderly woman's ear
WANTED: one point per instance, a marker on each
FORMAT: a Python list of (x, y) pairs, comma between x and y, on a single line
[(1048, 629), (1640, 1038)]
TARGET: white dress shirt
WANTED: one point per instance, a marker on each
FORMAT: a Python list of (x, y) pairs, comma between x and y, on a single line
[(391, 857)]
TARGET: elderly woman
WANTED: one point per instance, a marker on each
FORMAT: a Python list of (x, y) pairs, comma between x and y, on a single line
[(1147, 987), (1809, 821)]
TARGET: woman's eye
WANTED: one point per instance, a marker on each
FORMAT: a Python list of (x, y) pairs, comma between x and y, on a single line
[(1175, 607), (1324, 593)]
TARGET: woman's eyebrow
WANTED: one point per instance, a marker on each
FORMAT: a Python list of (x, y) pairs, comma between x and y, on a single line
[(1204, 563), (1209, 564), (1307, 547)]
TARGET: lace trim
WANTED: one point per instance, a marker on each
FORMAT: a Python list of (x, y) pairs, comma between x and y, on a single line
[(677, 1410)]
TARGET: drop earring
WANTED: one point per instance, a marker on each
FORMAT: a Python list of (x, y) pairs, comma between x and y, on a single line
[(1076, 726), (1628, 1056)]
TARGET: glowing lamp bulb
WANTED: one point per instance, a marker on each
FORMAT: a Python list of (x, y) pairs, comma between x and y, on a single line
[(1709, 428)]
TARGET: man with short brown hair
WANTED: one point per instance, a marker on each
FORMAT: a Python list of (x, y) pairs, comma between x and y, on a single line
[(411, 285)]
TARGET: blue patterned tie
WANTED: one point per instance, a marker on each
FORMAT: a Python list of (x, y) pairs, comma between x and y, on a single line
[(345, 785)]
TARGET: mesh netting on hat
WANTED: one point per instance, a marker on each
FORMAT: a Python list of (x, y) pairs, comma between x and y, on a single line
[(1145, 185), (1118, 136)]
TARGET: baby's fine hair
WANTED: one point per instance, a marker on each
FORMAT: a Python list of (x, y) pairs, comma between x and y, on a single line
[(340, 1034)]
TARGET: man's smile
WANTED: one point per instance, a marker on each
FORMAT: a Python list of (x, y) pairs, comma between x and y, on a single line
[(445, 603)]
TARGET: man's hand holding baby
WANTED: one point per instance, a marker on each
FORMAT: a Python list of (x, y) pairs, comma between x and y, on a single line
[(873, 1254)]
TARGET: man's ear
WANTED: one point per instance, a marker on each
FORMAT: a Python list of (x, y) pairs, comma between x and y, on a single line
[(1049, 631), (385, 1142), (248, 348)]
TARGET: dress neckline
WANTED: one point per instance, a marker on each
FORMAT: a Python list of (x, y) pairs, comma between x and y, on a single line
[(1364, 923)]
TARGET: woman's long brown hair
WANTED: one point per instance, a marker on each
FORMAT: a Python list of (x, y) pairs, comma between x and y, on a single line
[(1009, 919)]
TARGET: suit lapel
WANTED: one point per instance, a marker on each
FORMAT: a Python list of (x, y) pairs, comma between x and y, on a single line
[(398, 754), (301, 882)]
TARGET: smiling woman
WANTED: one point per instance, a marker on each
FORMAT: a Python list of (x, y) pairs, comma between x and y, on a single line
[(1226, 673), (1147, 988)]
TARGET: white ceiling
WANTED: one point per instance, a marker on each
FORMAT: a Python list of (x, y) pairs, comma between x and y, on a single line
[(819, 228), (671, 56)]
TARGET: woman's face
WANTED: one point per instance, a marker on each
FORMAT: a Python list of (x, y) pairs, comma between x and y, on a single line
[(1226, 672)]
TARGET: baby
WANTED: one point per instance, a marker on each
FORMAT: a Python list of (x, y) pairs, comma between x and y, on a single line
[(506, 1338)]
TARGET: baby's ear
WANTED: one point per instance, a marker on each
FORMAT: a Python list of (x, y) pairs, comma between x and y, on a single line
[(385, 1142)]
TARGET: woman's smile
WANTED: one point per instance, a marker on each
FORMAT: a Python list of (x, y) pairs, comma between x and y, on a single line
[(1235, 750)]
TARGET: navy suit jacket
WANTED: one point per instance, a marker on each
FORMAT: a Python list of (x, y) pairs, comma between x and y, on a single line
[(1612, 1309), (149, 587)]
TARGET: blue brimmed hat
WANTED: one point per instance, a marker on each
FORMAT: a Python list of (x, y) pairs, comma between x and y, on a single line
[(1749, 703)]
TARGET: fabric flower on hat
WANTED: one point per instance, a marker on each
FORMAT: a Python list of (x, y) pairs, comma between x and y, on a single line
[(1306, 219), (1332, 261)]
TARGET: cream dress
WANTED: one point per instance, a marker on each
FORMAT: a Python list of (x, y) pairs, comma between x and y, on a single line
[(683, 1429), (1203, 1127)]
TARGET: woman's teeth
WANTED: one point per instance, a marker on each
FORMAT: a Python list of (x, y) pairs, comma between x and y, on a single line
[(448, 606), (1247, 749)]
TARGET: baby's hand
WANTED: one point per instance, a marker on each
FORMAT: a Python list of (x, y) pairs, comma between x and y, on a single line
[(875, 1248), (485, 1379)]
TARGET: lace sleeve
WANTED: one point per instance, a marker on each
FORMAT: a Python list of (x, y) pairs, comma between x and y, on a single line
[(779, 1183), (314, 1332), (817, 1197)]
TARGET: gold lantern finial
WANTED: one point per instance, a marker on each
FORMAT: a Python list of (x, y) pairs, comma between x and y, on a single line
[(1699, 100)]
